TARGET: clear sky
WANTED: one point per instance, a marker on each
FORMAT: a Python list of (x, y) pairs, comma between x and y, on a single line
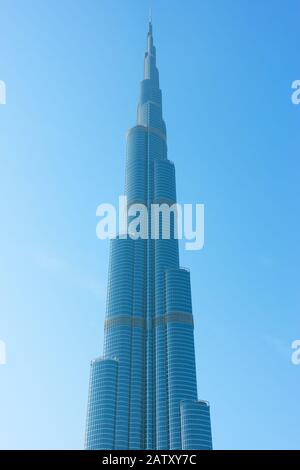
[(72, 71)]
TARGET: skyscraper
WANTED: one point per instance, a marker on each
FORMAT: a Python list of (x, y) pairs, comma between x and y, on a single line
[(143, 390)]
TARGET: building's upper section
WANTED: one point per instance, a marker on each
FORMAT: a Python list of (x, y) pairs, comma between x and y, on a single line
[(150, 102), (150, 69)]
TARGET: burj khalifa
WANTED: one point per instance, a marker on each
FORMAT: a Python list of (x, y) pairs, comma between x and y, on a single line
[(143, 389)]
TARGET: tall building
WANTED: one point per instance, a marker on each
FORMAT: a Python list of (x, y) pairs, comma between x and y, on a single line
[(143, 390)]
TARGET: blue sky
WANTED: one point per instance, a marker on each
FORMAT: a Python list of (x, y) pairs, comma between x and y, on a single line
[(72, 71)]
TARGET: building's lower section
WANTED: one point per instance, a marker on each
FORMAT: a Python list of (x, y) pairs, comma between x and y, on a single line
[(102, 400), (103, 427), (195, 425)]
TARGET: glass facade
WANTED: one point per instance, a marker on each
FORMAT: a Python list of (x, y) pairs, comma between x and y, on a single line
[(143, 392), (195, 425)]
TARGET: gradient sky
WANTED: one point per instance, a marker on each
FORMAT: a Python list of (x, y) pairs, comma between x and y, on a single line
[(72, 71)]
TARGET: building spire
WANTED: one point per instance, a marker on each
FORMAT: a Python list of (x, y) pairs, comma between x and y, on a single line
[(150, 34), (150, 69), (149, 112)]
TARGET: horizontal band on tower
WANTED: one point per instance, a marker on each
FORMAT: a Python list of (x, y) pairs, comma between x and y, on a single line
[(124, 320), (130, 321), (175, 317)]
